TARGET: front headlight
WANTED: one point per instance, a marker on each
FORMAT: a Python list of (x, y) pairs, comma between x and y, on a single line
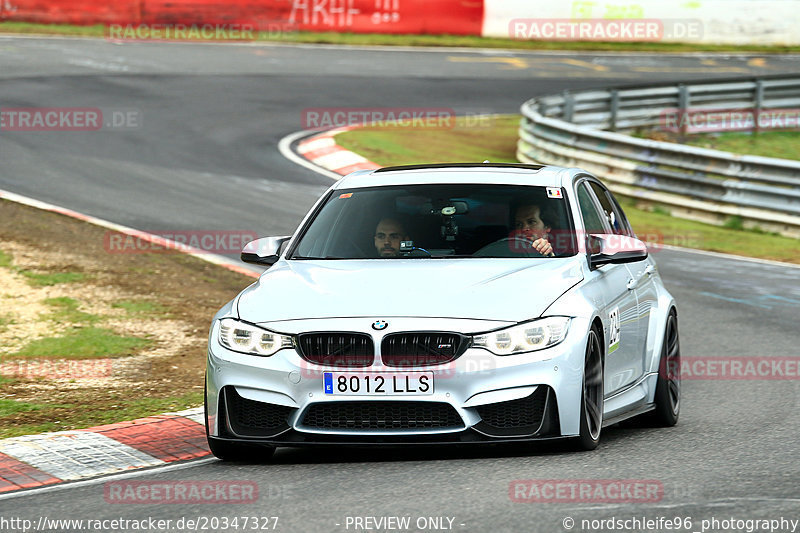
[(246, 338), (527, 337)]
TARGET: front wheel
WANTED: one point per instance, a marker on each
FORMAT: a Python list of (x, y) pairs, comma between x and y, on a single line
[(668, 387), (592, 394)]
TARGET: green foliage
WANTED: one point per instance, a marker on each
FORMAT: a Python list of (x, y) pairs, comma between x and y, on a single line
[(45, 280), (83, 343), (66, 310)]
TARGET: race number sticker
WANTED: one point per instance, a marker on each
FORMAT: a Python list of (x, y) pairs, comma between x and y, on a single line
[(554, 192), (613, 336)]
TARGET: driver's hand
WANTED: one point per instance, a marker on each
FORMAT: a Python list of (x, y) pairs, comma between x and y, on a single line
[(543, 246)]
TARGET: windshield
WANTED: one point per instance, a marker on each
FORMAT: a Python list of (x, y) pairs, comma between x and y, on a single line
[(438, 221)]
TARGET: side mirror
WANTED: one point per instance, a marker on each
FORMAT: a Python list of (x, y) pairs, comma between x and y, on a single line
[(264, 251), (616, 249)]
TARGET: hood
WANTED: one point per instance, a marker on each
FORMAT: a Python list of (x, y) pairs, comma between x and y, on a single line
[(487, 289)]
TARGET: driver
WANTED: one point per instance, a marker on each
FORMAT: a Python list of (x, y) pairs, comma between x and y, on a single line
[(388, 234), (531, 223)]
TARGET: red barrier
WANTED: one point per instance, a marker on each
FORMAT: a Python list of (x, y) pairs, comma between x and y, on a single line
[(457, 17), (252, 12), (71, 11)]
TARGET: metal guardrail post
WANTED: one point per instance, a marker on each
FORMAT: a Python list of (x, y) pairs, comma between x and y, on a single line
[(614, 110), (683, 109), (568, 110), (758, 104)]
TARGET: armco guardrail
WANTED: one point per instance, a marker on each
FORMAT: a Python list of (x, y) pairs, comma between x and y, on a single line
[(697, 183)]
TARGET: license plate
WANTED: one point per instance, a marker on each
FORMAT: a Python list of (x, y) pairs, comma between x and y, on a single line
[(378, 384)]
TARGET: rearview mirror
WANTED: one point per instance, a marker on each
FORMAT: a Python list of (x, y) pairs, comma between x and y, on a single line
[(263, 251), (616, 249)]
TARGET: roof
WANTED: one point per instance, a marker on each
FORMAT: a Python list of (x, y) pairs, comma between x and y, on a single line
[(458, 165), (497, 173)]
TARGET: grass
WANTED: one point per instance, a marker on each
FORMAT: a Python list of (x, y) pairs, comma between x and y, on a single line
[(375, 39), (140, 307), (84, 343), (661, 210), (494, 139), (734, 222), (39, 279), (66, 310), (97, 30), (5, 321), (36, 279), (10, 407), (666, 229), (83, 416), (781, 144), (6, 260), (497, 142)]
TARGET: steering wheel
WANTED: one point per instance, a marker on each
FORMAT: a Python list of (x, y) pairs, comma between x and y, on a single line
[(509, 247)]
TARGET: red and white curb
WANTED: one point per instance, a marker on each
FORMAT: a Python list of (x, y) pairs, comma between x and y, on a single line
[(49, 458), (322, 150), (34, 461), (46, 459)]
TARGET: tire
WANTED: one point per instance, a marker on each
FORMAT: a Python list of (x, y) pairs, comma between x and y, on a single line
[(591, 394), (234, 451), (668, 387)]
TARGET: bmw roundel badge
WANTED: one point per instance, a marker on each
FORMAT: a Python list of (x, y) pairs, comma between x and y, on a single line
[(380, 324)]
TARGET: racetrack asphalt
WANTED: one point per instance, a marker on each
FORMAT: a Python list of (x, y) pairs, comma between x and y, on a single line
[(205, 157)]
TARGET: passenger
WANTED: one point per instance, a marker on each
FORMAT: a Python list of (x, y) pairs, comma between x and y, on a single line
[(533, 224), (388, 234)]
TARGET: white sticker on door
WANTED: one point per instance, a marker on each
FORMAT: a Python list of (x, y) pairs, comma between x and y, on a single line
[(614, 334)]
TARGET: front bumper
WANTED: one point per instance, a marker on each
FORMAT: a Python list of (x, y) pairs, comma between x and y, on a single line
[(479, 397)]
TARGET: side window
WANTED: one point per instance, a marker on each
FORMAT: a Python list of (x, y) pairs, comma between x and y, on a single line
[(591, 217), (616, 219), (623, 219)]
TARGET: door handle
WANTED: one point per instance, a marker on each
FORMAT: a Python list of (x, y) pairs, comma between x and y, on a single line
[(649, 270), (632, 283)]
